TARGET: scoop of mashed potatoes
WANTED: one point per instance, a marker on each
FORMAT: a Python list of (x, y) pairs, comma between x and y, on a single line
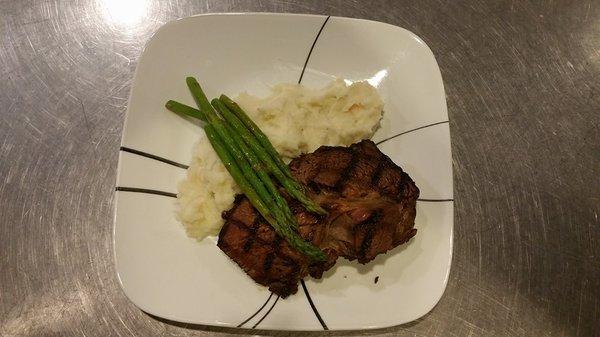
[(207, 190), (297, 120)]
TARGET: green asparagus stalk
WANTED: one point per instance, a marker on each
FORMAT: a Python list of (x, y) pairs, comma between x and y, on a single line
[(260, 136), (292, 237), (267, 189), (281, 224), (228, 139), (236, 173), (199, 95), (256, 163), (293, 187), (187, 110)]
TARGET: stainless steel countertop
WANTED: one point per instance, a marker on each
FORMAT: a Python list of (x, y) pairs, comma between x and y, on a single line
[(523, 90)]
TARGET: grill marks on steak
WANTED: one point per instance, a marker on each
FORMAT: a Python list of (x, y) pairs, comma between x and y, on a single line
[(268, 259), (371, 204)]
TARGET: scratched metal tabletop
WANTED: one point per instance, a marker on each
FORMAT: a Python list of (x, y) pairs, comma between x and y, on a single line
[(523, 92)]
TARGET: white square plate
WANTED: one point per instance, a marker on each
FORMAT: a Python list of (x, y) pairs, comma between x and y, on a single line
[(167, 274)]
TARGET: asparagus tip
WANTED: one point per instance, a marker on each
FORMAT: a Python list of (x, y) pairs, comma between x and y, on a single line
[(226, 100), (192, 83)]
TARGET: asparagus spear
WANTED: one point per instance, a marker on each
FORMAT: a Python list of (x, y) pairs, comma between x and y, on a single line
[(292, 237), (229, 142), (281, 224), (293, 187), (260, 136), (199, 95), (286, 179), (185, 110), (180, 108), (236, 172), (268, 190), (255, 162)]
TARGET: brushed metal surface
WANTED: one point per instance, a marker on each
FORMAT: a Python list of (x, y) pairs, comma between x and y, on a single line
[(523, 87)]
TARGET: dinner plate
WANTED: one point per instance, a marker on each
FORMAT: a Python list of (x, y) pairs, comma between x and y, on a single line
[(169, 275)]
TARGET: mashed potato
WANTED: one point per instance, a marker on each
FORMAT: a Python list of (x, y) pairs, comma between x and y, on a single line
[(207, 190), (297, 120)]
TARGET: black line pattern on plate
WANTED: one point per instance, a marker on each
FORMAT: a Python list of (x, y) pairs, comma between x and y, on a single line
[(155, 157), (312, 305), (306, 293), (256, 313), (303, 286), (266, 314), (145, 190), (435, 200), (311, 49), (412, 130)]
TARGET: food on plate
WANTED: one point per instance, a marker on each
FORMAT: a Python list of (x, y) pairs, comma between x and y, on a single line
[(207, 190), (290, 222), (262, 152), (299, 120), (295, 119), (371, 209), (251, 175)]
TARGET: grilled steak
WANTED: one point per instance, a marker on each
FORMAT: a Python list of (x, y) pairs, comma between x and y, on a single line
[(371, 209)]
